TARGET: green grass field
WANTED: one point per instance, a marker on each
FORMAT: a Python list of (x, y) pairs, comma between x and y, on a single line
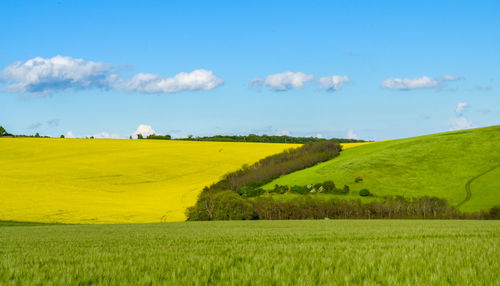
[(356, 252), (440, 165)]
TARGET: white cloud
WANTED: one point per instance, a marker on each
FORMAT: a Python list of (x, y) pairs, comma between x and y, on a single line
[(284, 81), (70, 134), (145, 130), (106, 135), (333, 82), (39, 75), (414, 83), (461, 106), (351, 135), (151, 83), (319, 135), (43, 76), (459, 123)]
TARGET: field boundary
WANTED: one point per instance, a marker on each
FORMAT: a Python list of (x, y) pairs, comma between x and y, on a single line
[(468, 192)]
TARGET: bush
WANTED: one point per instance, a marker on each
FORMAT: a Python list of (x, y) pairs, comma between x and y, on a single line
[(358, 179), (494, 213), (329, 186), (280, 189), (299, 190), (249, 191), (226, 205), (364, 193)]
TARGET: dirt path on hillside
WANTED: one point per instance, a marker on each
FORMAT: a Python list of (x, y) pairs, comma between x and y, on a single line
[(468, 192)]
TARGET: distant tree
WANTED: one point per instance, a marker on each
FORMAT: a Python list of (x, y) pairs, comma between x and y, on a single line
[(62, 136), (139, 136), (364, 193), (3, 132), (91, 137), (130, 137), (37, 134), (190, 136)]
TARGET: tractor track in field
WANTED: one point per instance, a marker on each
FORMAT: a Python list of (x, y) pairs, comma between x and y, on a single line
[(468, 192)]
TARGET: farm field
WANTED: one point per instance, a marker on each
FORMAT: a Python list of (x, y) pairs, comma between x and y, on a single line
[(353, 252), (462, 167), (113, 181)]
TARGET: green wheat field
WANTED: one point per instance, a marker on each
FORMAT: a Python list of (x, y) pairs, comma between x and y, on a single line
[(335, 252)]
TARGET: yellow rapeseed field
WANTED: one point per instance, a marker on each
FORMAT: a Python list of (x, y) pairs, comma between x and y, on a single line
[(113, 181), (350, 145)]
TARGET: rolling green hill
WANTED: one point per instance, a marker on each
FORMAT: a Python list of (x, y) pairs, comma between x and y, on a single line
[(461, 166)]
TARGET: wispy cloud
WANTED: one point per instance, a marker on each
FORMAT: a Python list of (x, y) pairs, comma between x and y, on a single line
[(297, 80), (35, 125), (151, 83), (283, 81), (416, 83), (333, 83), (43, 76), (106, 135), (459, 123), (461, 106), (351, 135), (53, 122)]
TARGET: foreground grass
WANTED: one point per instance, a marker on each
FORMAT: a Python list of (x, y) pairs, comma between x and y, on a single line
[(254, 253), (113, 181), (438, 165)]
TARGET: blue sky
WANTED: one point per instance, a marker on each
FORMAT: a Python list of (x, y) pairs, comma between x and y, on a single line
[(367, 69)]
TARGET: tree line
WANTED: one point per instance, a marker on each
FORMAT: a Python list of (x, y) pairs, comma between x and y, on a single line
[(228, 205), (271, 167), (254, 138)]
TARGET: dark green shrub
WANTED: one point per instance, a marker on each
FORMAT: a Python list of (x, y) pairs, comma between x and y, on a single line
[(299, 190), (494, 213), (364, 193), (346, 189), (358, 179), (249, 191), (280, 189), (329, 186)]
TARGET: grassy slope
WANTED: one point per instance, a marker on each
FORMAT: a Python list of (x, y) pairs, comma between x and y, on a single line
[(112, 181), (322, 252), (437, 165)]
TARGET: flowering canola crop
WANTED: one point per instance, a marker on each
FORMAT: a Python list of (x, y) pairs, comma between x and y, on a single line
[(113, 181)]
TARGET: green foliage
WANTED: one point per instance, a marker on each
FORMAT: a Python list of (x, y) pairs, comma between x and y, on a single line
[(62, 136), (321, 252), (250, 191), (299, 190), (226, 205), (139, 136), (159, 137), (438, 165), (279, 189), (329, 186), (364, 192), (277, 165), (494, 213), (3, 132)]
